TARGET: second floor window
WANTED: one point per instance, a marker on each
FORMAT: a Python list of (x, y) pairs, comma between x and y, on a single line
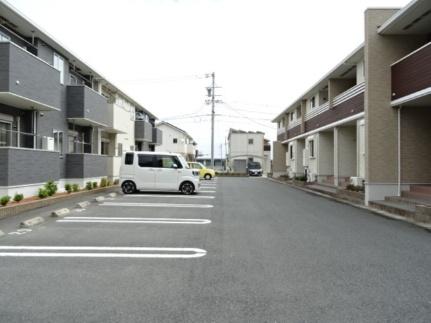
[(59, 65), (4, 37), (175, 140), (313, 102), (250, 141)]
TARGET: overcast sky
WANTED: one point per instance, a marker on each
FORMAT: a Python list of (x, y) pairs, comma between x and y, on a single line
[(265, 53)]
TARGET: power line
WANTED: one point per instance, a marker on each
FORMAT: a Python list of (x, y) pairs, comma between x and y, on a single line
[(246, 117)]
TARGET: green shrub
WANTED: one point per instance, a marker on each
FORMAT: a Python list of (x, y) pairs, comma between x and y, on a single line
[(94, 184), (4, 200), (109, 183), (354, 188), (75, 187), (88, 186), (18, 197), (43, 193), (116, 182), (104, 182), (68, 188), (302, 178), (51, 187)]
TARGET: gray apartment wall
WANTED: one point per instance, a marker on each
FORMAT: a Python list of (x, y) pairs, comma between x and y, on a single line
[(143, 130), (86, 165), (83, 102), (28, 76), (16, 163)]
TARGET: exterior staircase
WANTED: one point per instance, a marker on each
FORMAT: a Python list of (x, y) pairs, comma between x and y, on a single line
[(415, 203)]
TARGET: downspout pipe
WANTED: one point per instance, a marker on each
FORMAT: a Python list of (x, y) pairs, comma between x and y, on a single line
[(399, 149)]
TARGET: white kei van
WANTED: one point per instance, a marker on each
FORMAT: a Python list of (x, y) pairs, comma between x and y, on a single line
[(155, 171)]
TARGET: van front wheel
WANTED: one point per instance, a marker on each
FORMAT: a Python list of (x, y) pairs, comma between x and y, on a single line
[(128, 187), (187, 188)]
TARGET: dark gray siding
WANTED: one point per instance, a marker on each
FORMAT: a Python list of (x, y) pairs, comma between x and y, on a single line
[(143, 131), (86, 165), (157, 136), (27, 76), (83, 102), (27, 166)]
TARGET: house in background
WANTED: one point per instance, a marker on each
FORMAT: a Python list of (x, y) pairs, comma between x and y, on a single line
[(367, 121), (247, 146), (219, 163), (176, 140), (59, 119)]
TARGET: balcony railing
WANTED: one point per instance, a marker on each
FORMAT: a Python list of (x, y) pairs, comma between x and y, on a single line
[(293, 124), (19, 139), (143, 131), (26, 81), (157, 136), (86, 107), (412, 73), (350, 93), (318, 110)]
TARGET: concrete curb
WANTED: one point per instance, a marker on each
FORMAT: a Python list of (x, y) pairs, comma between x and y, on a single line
[(11, 210), (60, 212), (32, 222), (83, 204), (363, 207), (99, 199)]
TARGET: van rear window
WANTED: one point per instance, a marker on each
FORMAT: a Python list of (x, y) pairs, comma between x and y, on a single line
[(128, 160)]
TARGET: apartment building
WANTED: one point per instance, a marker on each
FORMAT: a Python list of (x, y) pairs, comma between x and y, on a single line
[(367, 121), (245, 146), (59, 118), (176, 140)]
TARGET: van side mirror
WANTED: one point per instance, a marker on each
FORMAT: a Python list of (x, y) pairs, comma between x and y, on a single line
[(174, 166)]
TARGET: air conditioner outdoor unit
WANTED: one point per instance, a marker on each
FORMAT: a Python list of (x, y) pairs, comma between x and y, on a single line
[(47, 143), (356, 181)]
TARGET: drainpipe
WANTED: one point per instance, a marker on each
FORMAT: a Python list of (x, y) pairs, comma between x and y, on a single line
[(399, 150)]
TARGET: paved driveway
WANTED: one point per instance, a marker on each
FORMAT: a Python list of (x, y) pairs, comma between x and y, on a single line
[(246, 250)]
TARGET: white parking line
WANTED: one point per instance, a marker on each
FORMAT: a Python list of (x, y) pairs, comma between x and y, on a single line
[(151, 252), (169, 205), (203, 191), (172, 196), (82, 219)]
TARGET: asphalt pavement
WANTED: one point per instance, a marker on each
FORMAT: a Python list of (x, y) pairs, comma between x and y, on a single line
[(245, 250)]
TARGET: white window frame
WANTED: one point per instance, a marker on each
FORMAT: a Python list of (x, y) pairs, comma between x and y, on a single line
[(57, 134), (313, 102), (311, 148), (58, 63)]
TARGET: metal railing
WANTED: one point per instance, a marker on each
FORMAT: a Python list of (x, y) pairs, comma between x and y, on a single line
[(19, 139)]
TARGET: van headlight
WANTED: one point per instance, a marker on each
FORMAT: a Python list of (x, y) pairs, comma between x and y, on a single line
[(195, 173)]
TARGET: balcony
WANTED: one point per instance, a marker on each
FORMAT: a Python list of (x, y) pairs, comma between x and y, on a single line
[(22, 166), (344, 105), (86, 165), (157, 137), (86, 107), (411, 75), (143, 131), (27, 82)]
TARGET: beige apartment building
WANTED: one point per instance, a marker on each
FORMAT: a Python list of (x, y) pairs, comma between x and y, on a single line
[(367, 122)]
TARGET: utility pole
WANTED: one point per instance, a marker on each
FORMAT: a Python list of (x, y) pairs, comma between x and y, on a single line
[(212, 118), (212, 101)]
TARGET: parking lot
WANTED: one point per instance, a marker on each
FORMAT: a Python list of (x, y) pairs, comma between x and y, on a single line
[(242, 250)]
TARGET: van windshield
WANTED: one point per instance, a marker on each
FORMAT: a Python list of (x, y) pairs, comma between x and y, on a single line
[(254, 165), (183, 161)]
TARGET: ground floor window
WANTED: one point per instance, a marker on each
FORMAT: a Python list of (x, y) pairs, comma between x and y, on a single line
[(105, 148), (5, 131)]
